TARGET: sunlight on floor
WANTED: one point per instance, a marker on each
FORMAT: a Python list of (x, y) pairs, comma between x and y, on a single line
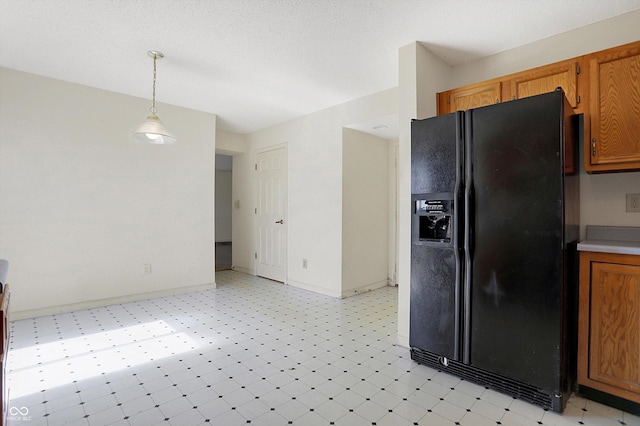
[(84, 357)]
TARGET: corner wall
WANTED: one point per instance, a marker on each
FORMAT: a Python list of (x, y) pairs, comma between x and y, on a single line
[(83, 208), (365, 212)]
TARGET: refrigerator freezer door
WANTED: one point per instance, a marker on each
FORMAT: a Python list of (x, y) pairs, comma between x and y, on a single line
[(436, 179), (436, 154), (516, 239), (433, 311)]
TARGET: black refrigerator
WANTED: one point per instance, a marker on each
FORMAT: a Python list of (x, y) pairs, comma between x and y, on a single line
[(495, 223)]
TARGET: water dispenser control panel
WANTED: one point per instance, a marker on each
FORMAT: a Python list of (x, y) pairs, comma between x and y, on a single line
[(432, 221), (433, 206)]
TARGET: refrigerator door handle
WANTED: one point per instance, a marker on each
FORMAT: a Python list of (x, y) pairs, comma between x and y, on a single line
[(458, 241), (469, 221), (459, 259)]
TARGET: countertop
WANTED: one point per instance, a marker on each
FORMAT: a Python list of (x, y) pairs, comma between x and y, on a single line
[(612, 239)]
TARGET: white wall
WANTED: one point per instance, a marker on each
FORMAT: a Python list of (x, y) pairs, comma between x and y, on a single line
[(602, 196), (365, 212), (314, 144), (230, 143), (82, 208), (392, 258), (243, 217), (592, 38)]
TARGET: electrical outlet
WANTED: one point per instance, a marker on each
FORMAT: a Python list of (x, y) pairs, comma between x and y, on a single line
[(147, 269), (304, 263), (633, 203)]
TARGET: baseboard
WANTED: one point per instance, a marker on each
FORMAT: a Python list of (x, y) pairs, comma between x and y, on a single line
[(243, 270), (52, 310), (403, 340), (313, 288), (364, 289)]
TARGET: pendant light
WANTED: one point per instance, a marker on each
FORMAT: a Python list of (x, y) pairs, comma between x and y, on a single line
[(152, 130)]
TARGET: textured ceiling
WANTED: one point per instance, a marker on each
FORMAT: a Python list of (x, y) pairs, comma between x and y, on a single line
[(256, 63)]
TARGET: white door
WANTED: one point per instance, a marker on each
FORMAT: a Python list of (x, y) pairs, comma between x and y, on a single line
[(271, 212)]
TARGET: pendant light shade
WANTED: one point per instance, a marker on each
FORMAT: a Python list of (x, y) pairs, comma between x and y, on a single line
[(152, 130)]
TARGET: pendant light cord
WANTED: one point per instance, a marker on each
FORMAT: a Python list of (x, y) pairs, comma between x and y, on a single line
[(153, 104)]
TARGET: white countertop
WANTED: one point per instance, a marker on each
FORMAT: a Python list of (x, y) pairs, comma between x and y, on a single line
[(612, 239), (609, 246)]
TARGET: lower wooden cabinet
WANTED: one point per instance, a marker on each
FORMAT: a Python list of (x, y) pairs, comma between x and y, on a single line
[(609, 329)]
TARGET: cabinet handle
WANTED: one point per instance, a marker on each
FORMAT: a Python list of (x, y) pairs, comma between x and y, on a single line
[(593, 147)]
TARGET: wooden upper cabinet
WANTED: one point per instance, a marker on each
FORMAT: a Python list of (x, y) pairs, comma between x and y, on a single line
[(604, 86), (469, 97), (614, 100), (546, 79)]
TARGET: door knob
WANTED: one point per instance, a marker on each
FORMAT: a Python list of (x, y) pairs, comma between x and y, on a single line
[(281, 221)]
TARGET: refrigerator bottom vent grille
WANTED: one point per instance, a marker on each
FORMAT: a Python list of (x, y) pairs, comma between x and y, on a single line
[(493, 381)]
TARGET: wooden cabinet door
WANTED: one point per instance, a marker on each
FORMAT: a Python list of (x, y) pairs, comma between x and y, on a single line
[(468, 97), (614, 357), (615, 109), (546, 79)]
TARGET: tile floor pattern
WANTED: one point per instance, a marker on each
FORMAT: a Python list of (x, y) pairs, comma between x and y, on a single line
[(249, 352)]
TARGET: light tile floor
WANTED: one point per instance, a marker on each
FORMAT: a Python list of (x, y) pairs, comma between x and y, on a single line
[(249, 352)]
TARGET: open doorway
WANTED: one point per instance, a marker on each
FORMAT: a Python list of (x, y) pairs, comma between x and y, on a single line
[(223, 210), (387, 128)]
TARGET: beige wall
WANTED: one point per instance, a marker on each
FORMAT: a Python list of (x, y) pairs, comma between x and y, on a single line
[(83, 208), (365, 213), (230, 143)]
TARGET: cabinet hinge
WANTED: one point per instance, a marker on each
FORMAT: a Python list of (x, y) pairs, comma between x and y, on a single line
[(449, 100), (577, 69), (578, 100), (593, 147)]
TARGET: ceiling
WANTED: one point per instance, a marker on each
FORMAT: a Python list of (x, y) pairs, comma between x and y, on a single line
[(256, 63)]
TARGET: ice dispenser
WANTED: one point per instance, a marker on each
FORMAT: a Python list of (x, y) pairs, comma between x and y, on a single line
[(432, 220)]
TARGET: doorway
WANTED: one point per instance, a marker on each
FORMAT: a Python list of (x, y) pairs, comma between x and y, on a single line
[(223, 204)]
